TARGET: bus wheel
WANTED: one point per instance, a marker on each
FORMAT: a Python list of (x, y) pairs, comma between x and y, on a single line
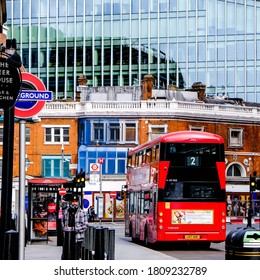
[(131, 233)]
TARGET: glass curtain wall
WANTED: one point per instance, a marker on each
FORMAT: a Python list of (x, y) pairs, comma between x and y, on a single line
[(117, 42)]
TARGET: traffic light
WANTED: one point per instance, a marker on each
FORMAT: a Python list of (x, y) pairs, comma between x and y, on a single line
[(80, 179), (252, 183)]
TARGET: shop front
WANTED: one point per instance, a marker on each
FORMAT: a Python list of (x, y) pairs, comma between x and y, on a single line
[(45, 206)]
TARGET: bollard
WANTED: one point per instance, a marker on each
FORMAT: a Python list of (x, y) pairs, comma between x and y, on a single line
[(59, 233), (69, 248), (91, 243), (85, 249), (111, 244), (11, 245), (106, 238), (99, 243)]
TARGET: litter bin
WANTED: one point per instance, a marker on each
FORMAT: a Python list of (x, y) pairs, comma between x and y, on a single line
[(243, 244)]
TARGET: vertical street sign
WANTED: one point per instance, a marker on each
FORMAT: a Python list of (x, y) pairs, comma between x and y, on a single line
[(100, 197), (10, 84)]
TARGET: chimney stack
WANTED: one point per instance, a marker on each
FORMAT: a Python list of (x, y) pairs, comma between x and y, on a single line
[(201, 89), (147, 87), (82, 80)]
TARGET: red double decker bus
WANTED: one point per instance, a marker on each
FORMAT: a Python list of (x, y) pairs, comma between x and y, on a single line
[(176, 189)]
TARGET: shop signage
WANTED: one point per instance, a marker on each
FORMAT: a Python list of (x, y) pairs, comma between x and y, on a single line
[(10, 84)]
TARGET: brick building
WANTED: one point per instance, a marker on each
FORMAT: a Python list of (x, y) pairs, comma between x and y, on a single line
[(107, 121)]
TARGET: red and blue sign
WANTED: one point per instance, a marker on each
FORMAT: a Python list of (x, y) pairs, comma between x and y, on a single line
[(26, 107)]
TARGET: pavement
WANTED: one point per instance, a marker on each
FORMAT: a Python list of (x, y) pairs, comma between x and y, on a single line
[(125, 249)]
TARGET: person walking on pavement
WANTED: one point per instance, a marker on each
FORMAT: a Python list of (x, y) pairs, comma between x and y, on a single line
[(91, 214), (75, 218)]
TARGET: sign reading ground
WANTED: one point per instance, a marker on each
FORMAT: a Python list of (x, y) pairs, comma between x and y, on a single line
[(33, 95), (10, 84), (31, 101)]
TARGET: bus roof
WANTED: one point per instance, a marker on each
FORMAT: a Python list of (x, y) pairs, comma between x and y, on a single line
[(187, 136)]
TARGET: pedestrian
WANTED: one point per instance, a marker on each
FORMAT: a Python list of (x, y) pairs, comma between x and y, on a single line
[(75, 218), (91, 214)]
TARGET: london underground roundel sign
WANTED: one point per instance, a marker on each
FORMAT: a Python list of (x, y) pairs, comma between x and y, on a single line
[(27, 109)]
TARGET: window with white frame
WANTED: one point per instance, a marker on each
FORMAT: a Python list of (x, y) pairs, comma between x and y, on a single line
[(114, 132), (236, 138), (196, 128), (56, 134), (121, 131), (130, 132), (27, 134), (156, 130), (56, 166), (98, 132), (234, 171)]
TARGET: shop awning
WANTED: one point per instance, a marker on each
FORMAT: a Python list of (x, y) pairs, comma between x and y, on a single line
[(47, 181)]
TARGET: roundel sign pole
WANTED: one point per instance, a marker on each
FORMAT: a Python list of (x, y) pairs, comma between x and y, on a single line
[(28, 108)]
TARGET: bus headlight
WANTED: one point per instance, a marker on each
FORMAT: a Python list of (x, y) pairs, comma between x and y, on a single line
[(160, 227), (160, 220), (161, 214)]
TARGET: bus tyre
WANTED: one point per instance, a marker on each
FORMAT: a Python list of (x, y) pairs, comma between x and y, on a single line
[(131, 233)]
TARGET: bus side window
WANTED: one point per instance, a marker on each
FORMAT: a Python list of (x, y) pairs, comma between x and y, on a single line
[(153, 154), (157, 153), (131, 203), (147, 201), (140, 159), (129, 161), (148, 154)]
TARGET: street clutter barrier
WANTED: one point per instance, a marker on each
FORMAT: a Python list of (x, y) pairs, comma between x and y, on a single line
[(98, 244), (11, 245), (69, 245), (243, 244)]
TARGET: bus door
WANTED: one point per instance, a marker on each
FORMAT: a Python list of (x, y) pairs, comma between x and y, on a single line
[(138, 197)]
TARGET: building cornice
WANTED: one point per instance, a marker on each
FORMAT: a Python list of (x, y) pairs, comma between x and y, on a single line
[(194, 111)]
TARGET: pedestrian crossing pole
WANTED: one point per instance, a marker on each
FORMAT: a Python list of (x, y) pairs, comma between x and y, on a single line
[(100, 198)]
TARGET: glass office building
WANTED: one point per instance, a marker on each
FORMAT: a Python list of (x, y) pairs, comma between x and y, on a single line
[(117, 42)]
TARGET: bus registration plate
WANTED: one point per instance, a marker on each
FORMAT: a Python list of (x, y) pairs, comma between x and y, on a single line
[(192, 237)]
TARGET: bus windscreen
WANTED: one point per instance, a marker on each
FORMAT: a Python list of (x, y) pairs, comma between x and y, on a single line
[(193, 174)]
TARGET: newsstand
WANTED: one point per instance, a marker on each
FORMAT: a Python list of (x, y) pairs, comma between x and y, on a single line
[(243, 244)]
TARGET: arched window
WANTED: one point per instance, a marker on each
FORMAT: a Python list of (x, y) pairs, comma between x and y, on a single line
[(236, 170)]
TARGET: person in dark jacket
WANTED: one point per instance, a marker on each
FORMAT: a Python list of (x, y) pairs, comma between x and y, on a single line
[(75, 218)]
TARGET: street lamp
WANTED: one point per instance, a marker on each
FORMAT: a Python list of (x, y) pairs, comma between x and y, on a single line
[(62, 160)]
